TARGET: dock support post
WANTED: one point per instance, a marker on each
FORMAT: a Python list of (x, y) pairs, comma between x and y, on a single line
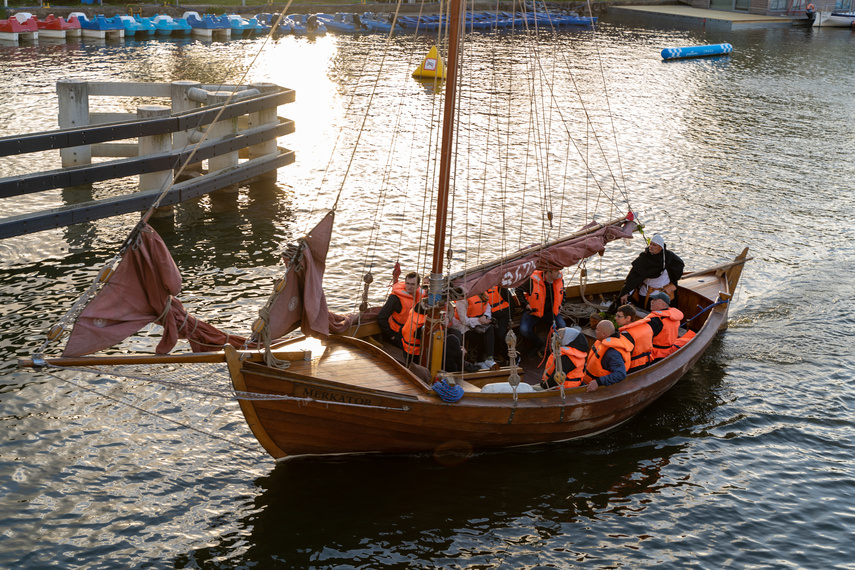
[(73, 97), (180, 103), (220, 130), (263, 117), (155, 144)]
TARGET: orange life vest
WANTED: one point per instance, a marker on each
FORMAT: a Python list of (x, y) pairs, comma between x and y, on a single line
[(663, 343), (396, 320), (537, 298), (574, 376), (594, 367), (475, 307), (497, 302), (642, 339), (409, 332)]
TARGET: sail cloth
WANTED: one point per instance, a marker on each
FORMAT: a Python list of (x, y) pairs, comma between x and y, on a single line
[(515, 270), (141, 291), (302, 302)]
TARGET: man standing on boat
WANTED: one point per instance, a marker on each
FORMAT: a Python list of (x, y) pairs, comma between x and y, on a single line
[(396, 310), (541, 297), (609, 358), (655, 269)]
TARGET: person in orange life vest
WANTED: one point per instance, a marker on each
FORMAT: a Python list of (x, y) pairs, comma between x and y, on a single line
[(669, 317), (411, 341), (541, 297), (393, 314), (609, 358), (640, 333), (655, 269), (501, 307), (473, 318), (574, 352)]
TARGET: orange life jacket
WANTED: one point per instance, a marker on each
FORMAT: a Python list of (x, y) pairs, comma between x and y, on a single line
[(663, 343), (497, 302), (396, 320), (409, 332), (594, 367), (574, 376), (537, 298), (475, 307), (642, 339)]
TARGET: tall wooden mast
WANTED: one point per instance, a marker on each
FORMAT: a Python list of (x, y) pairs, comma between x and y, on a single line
[(448, 125)]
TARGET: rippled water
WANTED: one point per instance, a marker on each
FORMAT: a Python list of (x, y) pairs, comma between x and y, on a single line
[(747, 462)]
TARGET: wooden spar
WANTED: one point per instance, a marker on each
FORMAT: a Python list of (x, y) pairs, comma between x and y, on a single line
[(446, 151), (192, 358), (510, 257)]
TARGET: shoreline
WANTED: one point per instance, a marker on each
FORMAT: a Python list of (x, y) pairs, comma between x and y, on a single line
[(148, 10)]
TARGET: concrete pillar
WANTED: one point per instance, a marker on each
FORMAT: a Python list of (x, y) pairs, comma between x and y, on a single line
[(73, 97), (152, 145), (263, 117), (180, 103), (220, 130)]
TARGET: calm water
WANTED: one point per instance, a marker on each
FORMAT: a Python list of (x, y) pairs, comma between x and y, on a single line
[(747, 462)]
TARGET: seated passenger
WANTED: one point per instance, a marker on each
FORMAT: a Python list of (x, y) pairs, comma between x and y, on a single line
[(640, 334), (669, 318), (574, 351), (541, 297), (501, 308), (391, 317), (473, 318), (609, 358), (413, 332), (655, 269)]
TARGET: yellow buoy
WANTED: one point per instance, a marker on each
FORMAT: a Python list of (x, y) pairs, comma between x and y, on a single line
[(432, 66)]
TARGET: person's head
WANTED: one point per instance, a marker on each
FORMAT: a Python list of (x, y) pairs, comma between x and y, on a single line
[(657, 244), (605, 329), (659, 301), (624, 315), (411, 282), (567, 335), (552, 275)]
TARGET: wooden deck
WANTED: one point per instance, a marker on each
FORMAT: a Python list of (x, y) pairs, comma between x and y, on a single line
[(336, 361)]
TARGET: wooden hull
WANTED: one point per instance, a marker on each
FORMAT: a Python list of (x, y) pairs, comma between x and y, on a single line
[(356, 399)]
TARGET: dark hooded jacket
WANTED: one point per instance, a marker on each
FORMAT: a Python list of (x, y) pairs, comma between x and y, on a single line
[(647, 266)]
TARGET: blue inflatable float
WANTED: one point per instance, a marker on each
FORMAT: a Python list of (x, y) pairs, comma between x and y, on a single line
[(696, 51)]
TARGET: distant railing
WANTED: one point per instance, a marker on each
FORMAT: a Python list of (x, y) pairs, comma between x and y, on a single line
[(247, 127)]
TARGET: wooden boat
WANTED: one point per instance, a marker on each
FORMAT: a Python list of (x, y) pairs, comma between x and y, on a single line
[(350, 392), (354, 398)]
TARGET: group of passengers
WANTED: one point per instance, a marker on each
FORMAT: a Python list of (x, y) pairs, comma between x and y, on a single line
[(484, 319)]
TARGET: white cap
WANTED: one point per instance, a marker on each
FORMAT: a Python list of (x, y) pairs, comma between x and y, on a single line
[(568, 335), (657, 239)]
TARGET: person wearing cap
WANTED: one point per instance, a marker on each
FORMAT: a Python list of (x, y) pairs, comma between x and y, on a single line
[(669, 319), (655, 269), (574, 352), (609, 358)]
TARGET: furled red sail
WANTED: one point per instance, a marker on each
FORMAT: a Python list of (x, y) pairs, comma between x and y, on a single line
[(513, 270), (141, 291), (302, 302)]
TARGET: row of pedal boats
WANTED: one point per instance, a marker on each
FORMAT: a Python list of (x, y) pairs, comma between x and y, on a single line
[(232, 25)]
